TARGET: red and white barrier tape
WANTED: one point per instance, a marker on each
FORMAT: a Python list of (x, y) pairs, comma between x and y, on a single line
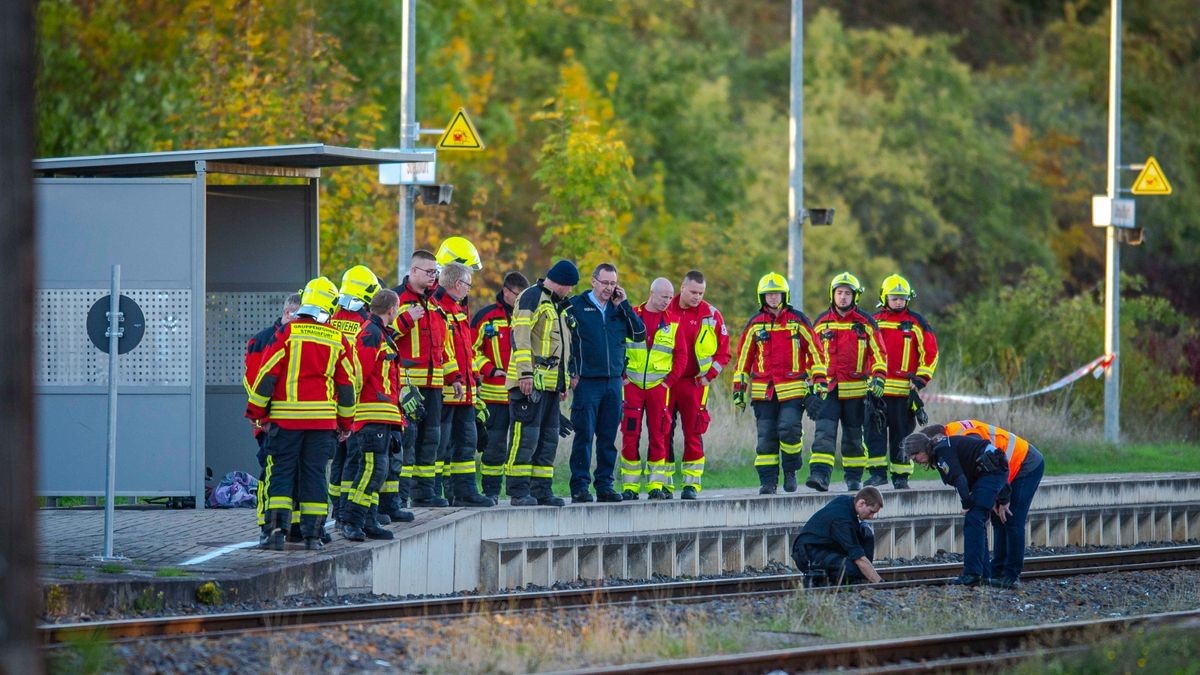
[(1096, 367)]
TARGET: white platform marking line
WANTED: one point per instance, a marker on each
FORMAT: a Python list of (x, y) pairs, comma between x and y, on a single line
[(227, 549)]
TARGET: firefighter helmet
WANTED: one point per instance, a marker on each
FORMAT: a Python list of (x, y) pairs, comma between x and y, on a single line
[(773, 282), (848, 280), (458, 249), (895, 285), (360, 284), (319, 299)]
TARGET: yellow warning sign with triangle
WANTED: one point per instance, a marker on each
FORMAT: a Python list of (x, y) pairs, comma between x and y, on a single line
[(460, 134), (1152, 180)]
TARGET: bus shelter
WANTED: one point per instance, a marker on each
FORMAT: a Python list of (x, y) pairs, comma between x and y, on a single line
[(209, 265)]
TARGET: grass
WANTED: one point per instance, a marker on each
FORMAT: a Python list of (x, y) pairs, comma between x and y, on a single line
[(167, 572), (112, 568), (1170, 650)]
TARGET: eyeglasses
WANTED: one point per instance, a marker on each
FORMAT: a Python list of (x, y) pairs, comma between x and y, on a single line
[(465, 283), (606, 284), (432, 271)]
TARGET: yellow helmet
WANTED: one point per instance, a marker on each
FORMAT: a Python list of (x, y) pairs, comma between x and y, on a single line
[(358, 283), (773, 282), (895, 285), (848, 280), (458, 249), (319, 299)]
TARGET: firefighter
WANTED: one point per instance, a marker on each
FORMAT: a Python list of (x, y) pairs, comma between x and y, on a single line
[(421, 337), (653, 366), (855, 365), (375, 419), (979, 472), (254, 351), (492, 327), (703, 330), (460, 396), (358, 286), (1025, 469), (912, 356), (536, 380), (306, 385), (779, 358)]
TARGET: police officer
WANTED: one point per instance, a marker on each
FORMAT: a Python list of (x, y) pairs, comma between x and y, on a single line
[(778, 357), (536, 381), (307, 381), (837, 543), (979, 472)]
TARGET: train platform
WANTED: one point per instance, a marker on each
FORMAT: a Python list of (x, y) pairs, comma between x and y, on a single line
[(173, 555)]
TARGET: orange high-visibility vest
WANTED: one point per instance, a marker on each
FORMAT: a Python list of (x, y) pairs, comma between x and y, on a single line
[(1012, 445)]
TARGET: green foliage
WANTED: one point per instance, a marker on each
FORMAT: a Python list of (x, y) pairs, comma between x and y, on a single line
[(112, 568), (148, 601), (209, 593), (1019, 338), (167, 572)]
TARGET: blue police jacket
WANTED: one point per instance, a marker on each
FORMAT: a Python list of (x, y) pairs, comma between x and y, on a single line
[(598, 337)]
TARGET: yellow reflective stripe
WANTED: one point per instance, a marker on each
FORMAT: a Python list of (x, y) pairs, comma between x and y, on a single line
[(821, 458), (520, 470), (491, 470), (791, 448), (390, 486), (279, 503), (906, 353), (766, 460), (876, 462), (460, 468), (543, 472), (313, 508)]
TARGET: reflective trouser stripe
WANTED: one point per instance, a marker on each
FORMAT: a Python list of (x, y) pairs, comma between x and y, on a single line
[(767, 460), (491, 469), (462, 468), (692, 473), (821, 458), (790, 448), (658, 474), (904, 469), (406, 471), (260, 506), (520, 470), (424, 470), (313, 508), (359, 493), (631, 474), (876, 462), (542, 472), (390, 486)]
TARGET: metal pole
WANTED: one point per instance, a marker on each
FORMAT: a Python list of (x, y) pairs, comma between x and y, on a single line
[(796, 161), (408, 131), (1112, 272), (110, 486)]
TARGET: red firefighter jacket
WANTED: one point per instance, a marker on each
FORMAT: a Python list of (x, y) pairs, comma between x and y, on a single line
[(663, 357), (778, 355), (306, 380), (254, 351), (379, 398), (492, 327), (911, 349), (702, 329), (422, 344), (852, 349), (459, 347)]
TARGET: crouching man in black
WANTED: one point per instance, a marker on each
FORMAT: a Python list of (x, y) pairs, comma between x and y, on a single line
[(837, 543)]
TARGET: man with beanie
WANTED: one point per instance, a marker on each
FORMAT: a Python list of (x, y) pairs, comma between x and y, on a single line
[(604, 320), (536, 381)]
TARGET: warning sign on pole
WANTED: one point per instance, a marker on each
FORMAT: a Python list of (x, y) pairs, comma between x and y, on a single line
[(1152, 180), (460, 134)]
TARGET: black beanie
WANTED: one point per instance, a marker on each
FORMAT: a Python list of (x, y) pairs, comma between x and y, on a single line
[(564, 272)]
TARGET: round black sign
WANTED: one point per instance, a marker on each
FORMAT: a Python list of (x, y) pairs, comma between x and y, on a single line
[(134, 323)]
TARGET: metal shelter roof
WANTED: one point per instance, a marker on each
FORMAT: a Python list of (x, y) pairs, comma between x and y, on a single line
[(282, 160)]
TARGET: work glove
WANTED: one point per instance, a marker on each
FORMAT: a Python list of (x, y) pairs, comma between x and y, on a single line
[(565, 428), (875, 386), (819, 389), (481, 411), (412, 403), (739, 400), (919, 382)]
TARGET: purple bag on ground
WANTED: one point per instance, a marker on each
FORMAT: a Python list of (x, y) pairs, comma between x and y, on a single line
[(236, 489)]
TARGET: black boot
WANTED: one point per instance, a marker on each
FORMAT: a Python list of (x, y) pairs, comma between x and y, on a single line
[(789, 481), (876, 479), (353, 532), (323, 534), (372, 529), (313, 544), (766, 489), (279, 523), (491, 486), (817, 480), (465, 493), (900, 481), (518, 490)]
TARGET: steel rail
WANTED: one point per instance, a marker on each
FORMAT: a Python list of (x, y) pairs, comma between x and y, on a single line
[(692, 591), (953, 652)]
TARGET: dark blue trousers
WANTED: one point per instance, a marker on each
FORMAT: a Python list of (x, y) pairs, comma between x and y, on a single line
[(595, 411), (1008, 538), (975, 522)]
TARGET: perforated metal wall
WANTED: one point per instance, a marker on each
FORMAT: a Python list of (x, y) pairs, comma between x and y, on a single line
[(231, 319), (66, 357)]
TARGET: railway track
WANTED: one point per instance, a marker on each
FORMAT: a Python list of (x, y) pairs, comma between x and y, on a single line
[(965, 652), (680, 591)]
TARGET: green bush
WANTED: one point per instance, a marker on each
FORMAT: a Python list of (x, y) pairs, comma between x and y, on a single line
[(1022, 337)]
